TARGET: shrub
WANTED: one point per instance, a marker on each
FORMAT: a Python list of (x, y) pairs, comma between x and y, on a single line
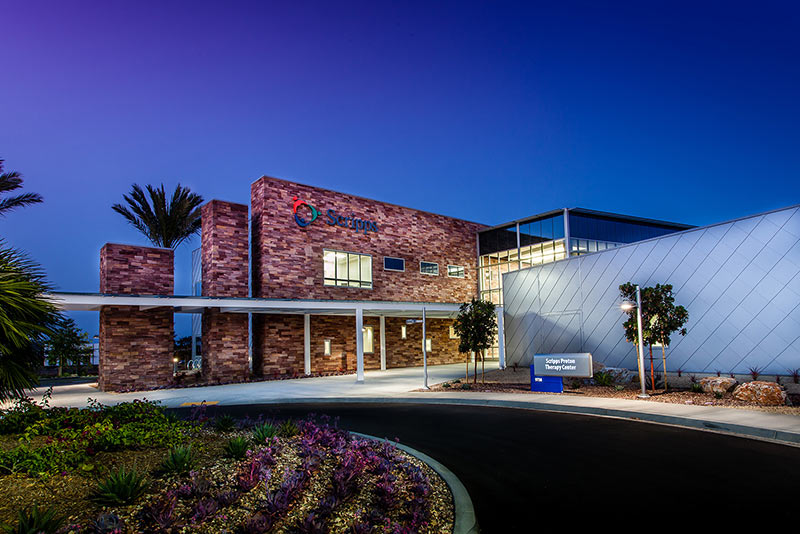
[(619, 387), (287, 429), (179, 460), (446, 385), (696, 388), (35, 521), (575, 383), (603, 378), (755, 372), (795, 374), (263, 432), (120, 487), (236, 448), (466, 386), (457, 381), (717, 395), (224, 423)]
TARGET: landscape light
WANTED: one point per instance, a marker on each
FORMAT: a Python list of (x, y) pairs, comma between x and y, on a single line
[(627, 306)]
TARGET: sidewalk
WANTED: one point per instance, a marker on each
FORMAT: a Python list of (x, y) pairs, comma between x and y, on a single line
[(397, 385)]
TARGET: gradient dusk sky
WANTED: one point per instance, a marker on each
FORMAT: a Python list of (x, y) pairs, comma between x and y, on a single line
[(488, 111)]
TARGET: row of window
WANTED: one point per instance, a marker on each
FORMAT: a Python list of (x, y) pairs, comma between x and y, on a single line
[(349, 269)]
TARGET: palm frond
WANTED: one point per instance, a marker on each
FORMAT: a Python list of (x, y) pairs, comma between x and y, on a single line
[(164, 224)]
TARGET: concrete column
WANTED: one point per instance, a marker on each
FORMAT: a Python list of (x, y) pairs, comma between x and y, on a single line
[(359, 345), (383, 343), (307, 344), (501, 338)]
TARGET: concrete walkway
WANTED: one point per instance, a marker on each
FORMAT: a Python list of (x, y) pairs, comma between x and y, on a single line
[(397, 385)]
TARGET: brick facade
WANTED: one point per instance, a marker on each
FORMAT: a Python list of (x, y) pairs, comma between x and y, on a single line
[(287, 259), (136, 346), (134, 270), (224, 264), (279, 342)]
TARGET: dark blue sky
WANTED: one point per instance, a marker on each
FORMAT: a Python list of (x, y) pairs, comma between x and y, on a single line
[(488, 111)]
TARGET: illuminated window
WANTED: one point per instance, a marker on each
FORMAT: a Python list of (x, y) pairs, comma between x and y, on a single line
[(367, 337), (403, 332), (453, 333), (455, 271), (428, 267), (346, 269), (327, 345), (428, 345)]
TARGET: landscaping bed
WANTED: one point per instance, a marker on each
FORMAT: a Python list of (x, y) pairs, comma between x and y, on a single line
[(519, 381), (134, 468)]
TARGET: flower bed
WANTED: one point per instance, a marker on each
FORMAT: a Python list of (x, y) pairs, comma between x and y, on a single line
[(220, 476)]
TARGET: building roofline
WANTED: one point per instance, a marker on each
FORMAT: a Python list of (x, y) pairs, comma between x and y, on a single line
[(607, 214), (365, 198)]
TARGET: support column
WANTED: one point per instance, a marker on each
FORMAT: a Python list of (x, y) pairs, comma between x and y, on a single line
[(223, 265), (307, 344), (359, 345), (383, 343), (501, 338)]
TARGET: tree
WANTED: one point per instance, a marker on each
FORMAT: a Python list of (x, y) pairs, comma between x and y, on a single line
[(26, 318), (627, 292), (69, 345), (10, 181), (666, 320), (183, 348), (476, 326), (165, 225)]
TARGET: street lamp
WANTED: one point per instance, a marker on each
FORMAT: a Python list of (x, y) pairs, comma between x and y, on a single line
[(628, 306), (424, 347)]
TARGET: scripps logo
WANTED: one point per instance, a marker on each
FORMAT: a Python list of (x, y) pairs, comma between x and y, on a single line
[(302, 209), (301, 222)]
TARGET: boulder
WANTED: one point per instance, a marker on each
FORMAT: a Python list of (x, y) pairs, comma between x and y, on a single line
[(620, 375), (760, 392), (718, 384)]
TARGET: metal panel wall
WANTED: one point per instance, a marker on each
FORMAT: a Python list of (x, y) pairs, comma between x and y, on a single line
[(739, 280)]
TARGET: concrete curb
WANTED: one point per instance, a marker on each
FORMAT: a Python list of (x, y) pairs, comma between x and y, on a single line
[(782, 437), (465, 521)]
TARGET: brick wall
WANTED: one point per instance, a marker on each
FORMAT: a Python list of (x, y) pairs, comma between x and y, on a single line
[(224, 264), (287, 259), (136, 346), (130, 269)]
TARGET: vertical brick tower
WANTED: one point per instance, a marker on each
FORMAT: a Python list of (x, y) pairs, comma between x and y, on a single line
[(225, 274), (136, 346)]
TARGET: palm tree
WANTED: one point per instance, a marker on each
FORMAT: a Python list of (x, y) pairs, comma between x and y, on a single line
[(26, 317), (9, 181), (164, 225)]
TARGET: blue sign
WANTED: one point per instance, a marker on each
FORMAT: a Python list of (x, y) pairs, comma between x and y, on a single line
[(546, 384)]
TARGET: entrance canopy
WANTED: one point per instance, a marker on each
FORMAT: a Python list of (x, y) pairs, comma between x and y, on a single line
[(190, 304)]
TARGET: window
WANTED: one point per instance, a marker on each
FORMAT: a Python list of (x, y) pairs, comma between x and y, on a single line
[(455, 271), (327, 345), (453, 333), (346, 269), (427, 267), (367, 336), (428, 345), (394, 264), (403, 332)]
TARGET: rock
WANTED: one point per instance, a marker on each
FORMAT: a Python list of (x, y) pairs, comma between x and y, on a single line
[(620, 375), (760, 392), (597, 366), (717, 384)]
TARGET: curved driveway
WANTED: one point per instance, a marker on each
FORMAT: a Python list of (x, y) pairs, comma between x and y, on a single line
[(524, 468)]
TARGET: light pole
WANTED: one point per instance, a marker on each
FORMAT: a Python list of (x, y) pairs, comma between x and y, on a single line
[(627, 306), (424, 348)]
